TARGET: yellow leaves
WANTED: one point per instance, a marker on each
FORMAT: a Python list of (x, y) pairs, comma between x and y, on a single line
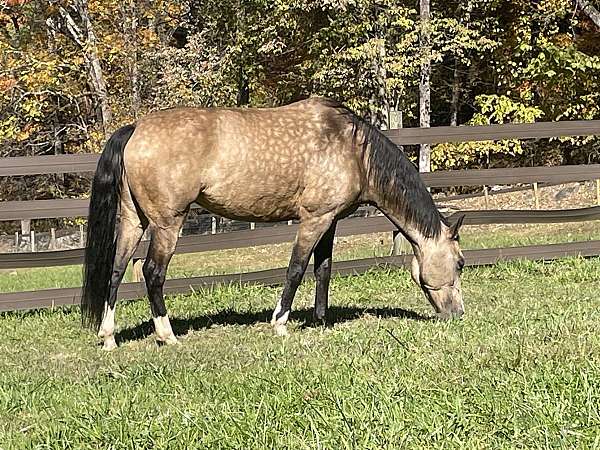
[(5, 19), (27, 131), (148, 37), (9, 128), (12, 129), (32, 108)]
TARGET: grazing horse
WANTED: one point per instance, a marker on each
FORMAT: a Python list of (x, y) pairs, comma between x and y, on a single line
[(313, 161)]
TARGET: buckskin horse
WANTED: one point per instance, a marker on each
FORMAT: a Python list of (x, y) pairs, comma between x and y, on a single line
[(313, 161)]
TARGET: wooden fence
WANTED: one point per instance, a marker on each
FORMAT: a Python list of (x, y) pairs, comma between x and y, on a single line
[(43, 209)]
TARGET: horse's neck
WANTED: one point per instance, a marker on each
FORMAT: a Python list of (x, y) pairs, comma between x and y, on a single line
[(409, 230)]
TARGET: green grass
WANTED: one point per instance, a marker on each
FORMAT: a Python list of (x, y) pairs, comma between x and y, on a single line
[(520, 371), (268, 257)]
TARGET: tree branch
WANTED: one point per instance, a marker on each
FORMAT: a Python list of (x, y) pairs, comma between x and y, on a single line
[(74, 31)]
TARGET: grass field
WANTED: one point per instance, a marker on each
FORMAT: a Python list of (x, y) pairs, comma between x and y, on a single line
[(520, 371)]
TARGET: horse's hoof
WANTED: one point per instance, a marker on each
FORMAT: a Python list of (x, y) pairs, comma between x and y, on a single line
[(109, 344), (280, 330), (169, 340)]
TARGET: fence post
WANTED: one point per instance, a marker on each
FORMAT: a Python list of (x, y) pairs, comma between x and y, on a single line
[(32, 241), (398, 246), (252, 225), (486, 193), (290, 222), (536, 195), (213, 229), (26, 230), (52, 238), (598, 191), (137, 274), (25, 227), (16, 241), (81, 236)]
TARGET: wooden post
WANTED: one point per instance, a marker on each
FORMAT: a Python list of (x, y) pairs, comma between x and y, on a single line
[(398, 246), (16, 241), (137, 274), (213, 220), (81, 236), (486, 193), (32, 241), (252, 225), (536, 195), (25, 227), (290, 222), (52, 238), (26, 230), (598, 191)]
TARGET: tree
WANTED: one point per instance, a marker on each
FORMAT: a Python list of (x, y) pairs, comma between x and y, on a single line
[(424, 83), (74, 21)]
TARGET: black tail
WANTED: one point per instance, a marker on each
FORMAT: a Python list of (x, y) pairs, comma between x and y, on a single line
[(101, 241)]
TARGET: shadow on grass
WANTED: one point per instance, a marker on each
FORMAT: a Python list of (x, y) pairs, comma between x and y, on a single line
[(336, 314)]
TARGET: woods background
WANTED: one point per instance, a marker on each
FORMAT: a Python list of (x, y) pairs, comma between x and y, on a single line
[(73, 71)]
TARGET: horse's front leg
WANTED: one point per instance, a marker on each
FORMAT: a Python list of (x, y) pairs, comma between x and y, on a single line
[(309, 233)]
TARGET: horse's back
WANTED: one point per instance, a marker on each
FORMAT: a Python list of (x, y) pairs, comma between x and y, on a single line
[(255, 164)]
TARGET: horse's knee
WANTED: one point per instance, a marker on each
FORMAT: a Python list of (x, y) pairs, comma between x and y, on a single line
[(323, 269), (153, 273), (295, 273)]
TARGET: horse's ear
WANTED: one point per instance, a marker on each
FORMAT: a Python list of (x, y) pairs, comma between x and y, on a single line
[(455, 227)]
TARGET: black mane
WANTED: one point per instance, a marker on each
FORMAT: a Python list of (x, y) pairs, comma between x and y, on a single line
[(395, 177)]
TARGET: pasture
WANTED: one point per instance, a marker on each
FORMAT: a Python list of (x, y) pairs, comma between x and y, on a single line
[(521, 370)]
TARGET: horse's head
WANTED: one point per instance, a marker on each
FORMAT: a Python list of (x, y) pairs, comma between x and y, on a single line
[(437, 267)]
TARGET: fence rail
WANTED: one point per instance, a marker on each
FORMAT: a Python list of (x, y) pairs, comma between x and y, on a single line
[(80, 163), (47, 298), (537, 130), (59, 208), (286, 233)]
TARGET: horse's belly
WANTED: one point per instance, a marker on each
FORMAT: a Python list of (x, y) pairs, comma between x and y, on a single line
[(255, 202)]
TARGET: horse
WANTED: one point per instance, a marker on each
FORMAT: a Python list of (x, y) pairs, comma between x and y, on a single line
[(313, 161)]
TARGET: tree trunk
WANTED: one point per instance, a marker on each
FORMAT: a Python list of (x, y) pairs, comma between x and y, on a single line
[(589, 10), (424, 84), (134, 69), (243, 95), (96, 74), (378, 104), (455, 95), (85, 38)]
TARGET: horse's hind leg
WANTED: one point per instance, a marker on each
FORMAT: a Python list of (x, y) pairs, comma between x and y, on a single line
[(130, 231), (310, 232), (322, 271), (162, 247)]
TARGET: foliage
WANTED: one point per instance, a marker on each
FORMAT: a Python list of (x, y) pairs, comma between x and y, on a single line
[(493, 62), (493, 109)]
